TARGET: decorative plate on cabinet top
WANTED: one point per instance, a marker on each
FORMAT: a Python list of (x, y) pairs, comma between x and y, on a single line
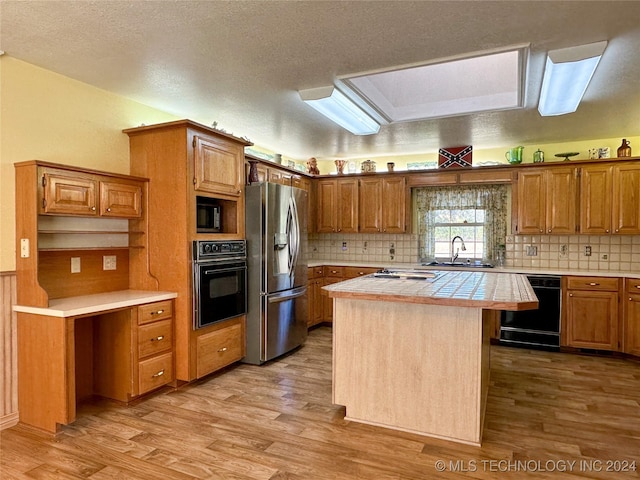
[(567, 155)]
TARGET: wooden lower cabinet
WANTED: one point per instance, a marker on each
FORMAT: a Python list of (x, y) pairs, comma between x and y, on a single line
[(591, 313), (631, 308), (221, 347), (320, 304), (314, 293), (155, 372)]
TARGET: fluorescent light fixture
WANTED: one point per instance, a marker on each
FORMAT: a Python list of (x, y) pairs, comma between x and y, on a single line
[(566, 76), (336, 106)]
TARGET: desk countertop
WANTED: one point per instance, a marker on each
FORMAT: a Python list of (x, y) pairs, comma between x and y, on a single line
[(100, 302)]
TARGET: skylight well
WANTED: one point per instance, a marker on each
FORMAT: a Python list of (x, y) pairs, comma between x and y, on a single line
[(448, 87)]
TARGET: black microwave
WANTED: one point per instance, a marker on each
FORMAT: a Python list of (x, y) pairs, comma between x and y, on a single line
[(208, 215)]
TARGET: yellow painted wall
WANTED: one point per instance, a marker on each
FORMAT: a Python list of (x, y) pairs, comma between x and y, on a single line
[(46, 116)]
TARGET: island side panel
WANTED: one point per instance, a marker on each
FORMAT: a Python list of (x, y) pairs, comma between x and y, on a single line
[(410, 367)]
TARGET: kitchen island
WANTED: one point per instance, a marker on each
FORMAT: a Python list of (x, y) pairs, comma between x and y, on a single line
[(412, 354)]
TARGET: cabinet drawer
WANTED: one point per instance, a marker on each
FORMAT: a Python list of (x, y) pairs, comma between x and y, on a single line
[(315, 272), (154, 338), (155, 311), (333, 271), (593, 283), (219, 349), (633, 285), (354, 272), (155, 372)]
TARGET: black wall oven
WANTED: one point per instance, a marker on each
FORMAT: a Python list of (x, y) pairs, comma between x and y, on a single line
[(219, 281)]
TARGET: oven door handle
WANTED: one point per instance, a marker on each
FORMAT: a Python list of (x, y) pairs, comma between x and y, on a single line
[(223, 270), (298, 292)]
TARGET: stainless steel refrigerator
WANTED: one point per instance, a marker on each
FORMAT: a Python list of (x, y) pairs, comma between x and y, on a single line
[(276, 231)]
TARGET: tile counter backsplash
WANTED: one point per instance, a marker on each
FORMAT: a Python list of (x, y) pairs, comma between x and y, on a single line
[(608, 252), (360, 247)]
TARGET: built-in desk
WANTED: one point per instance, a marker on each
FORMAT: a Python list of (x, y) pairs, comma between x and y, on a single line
[(117, 345)]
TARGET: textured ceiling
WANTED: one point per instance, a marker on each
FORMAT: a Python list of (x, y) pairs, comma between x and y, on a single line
[(241, 63)]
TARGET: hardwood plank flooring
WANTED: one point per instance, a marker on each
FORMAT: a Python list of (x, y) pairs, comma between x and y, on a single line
[(276, 422)]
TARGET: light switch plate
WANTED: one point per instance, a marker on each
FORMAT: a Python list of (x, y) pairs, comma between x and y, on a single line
[(24, 248), (75, 264)]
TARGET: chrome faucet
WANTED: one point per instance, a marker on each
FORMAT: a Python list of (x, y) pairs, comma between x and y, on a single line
[(464, 248)]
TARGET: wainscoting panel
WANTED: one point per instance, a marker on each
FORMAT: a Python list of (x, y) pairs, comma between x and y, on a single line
[(9, 354)]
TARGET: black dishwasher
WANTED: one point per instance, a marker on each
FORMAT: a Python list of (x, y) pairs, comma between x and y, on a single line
[(535, 328)]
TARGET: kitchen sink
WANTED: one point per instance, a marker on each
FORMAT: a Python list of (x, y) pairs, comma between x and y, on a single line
[(458, 264)]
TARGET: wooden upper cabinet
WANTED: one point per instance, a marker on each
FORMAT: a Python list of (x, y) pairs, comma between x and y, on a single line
[(561, 200), (595, 199), (68, 194), (370, 211), (120, 200), (326, 206), (626, 199), (217, 167), (337, 205), (394, 206), (383, 205), (531, 202), (347, 205), (547, 201)]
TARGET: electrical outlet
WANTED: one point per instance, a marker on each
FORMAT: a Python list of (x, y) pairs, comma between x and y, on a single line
[(75, 264), (344, 246), (532, 251), (587, 251), (108, 262), (563, 251)]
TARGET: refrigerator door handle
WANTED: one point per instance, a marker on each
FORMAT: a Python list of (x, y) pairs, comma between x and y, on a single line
[(293, 232), (298, 292)]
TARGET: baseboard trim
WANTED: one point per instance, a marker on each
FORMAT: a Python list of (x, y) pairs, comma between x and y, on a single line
[(8, 421)]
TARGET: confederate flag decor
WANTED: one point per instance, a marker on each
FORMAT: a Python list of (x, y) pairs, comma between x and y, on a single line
[(455, 157)]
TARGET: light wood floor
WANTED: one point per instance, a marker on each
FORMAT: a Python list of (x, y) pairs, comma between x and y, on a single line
[(277, 422)]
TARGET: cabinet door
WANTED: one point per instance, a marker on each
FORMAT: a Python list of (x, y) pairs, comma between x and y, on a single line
[(301, 182), (370, 217), (347, 205), (592, 319), (561, 200), (531, 202), (120, 200), (327, 206), (69, 195), (217, 166), (595, 199), (626, 199), (394, 205), (279, 176), (632, 324)]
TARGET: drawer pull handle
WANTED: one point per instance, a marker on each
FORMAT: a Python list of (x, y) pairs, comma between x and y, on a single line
[(593, 284), (159, 374), (223, 349), (158, 338), (360, 273), (637, 286), (159, 312)]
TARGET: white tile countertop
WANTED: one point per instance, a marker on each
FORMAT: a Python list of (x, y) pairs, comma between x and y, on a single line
[(523, 270), (481, 289), (99, 302)]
